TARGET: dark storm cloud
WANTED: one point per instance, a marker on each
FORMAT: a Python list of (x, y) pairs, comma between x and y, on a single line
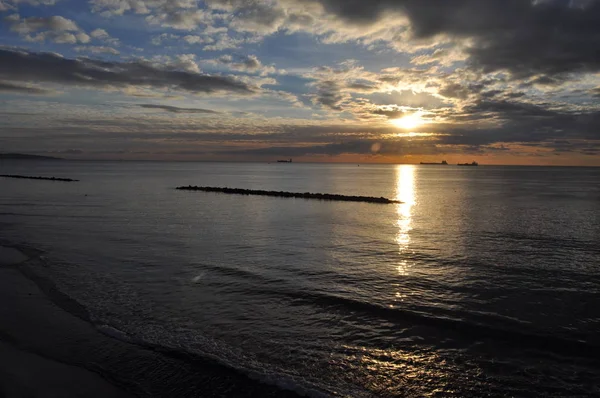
[(515, 95), (522, 123), (562, 146), (357, 86), (510, 110), (389, 113), (175, 109), (456, 90), (20, 89), (491, 93), (542, 37), (329, 95), (23, 65), (543, 81)]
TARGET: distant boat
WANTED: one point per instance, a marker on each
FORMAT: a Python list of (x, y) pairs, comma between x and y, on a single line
[(430, 163), (284, 161), (473, 163)]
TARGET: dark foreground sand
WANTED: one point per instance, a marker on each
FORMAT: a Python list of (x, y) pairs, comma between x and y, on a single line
[(23, 374), (25, 316), (10, 256)]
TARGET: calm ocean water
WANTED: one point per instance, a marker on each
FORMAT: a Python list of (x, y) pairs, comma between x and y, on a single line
[(485, 281)]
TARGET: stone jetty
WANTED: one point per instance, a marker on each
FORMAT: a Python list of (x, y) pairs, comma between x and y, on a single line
[(38, 178), (282, 194)]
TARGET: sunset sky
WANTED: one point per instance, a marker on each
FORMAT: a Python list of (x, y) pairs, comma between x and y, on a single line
[(497, 81)]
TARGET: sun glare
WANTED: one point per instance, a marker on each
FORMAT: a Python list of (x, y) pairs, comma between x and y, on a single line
[(408, 122)]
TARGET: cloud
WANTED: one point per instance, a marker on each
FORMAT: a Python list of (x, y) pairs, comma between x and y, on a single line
[(490, 75), (6, 5), (391, 112), (175, 109), (186, 62), (441, 56), (334, 84), (541, 38), (23, 89), (82, 37), (119, 7), (258, 17), (458, 90), (97, 50), (175, 14), (244, 63), (34, 24), (407, 98), (181, 19), (213, 39), (22, 65), (102, 35), (254, 137), (525, 38), (349, 87), (158, 40), (55, 28), (508, 121), (193, 39), (329, 94), (222, 42)]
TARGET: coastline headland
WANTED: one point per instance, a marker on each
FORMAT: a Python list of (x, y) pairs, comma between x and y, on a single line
[(282, 194), (38, 178)]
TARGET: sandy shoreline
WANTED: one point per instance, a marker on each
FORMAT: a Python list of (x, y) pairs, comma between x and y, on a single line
[(47, 335), (11, 256), (26, 313), (24, 374)]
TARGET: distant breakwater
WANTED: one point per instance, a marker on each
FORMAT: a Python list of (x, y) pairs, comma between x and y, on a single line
[(282, 194), (38, 178)]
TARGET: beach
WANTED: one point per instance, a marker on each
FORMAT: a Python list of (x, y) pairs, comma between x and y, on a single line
[(50, 348), (25, 313), (24, 374)]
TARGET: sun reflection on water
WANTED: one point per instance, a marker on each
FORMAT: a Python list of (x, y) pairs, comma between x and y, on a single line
[(405, 193)]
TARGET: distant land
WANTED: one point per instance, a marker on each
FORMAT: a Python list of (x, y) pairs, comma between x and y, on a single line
[(25, 156)]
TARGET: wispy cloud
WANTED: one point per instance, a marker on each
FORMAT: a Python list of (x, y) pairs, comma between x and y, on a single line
[(175, 109), (23, 89)]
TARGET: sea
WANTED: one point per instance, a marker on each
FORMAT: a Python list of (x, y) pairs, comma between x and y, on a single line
[(484, 281)]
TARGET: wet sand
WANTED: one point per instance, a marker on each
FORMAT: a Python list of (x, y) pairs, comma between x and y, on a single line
[(25, 314), (24, 374), (11, 256)]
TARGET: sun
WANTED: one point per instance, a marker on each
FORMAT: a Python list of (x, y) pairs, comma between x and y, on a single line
[(408, 122)]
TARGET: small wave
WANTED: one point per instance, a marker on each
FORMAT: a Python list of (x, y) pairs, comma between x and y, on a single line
[(259, 373), (243, 274), (116, 333), (544, 241), (475, 330), (490, 326), (53, 215)]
